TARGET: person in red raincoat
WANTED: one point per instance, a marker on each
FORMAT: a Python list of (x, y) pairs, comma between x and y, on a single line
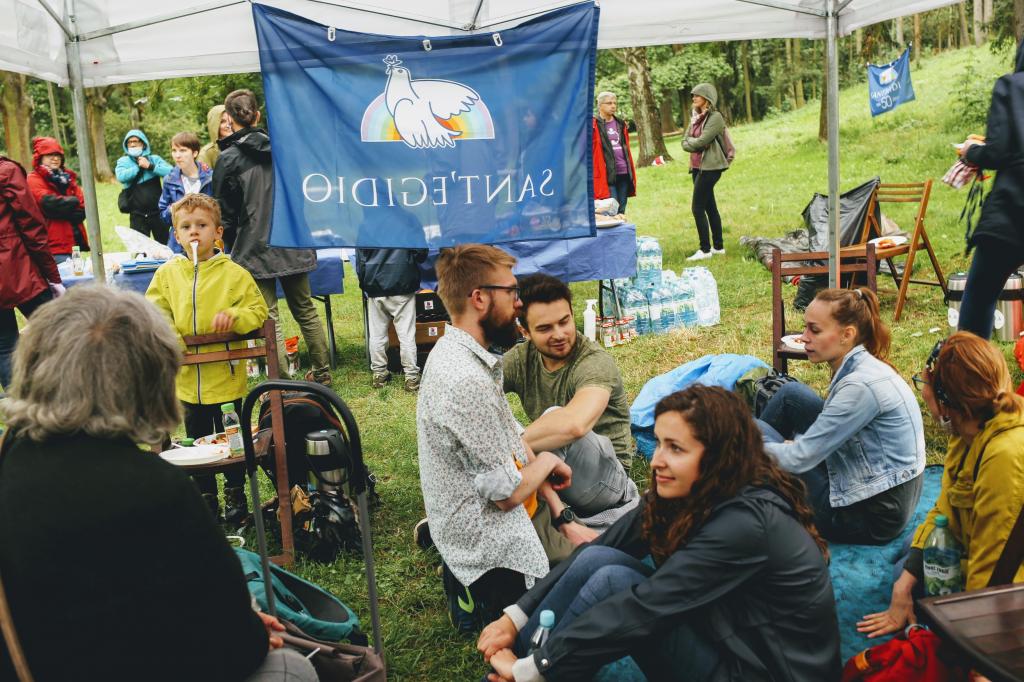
[(56, 190), (28, 273), (614, 172)]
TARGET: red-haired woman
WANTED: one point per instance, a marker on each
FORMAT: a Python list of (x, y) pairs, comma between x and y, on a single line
[(740, 590), (861, 449), (967, 388)]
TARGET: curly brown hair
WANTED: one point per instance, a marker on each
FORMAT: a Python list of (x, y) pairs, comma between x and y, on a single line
[(734, 457)]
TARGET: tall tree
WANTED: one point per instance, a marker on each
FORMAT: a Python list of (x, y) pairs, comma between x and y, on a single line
[(95, 106), (964, 37), (1018, 19), (668, 124), (798, 68), (917, 40), (900, 40), (745, 56), (979, 22), (645, 110), (823, 113), (54, 118), (16, 113)]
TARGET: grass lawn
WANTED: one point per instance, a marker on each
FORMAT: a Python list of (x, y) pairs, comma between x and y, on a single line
[(780, 165)]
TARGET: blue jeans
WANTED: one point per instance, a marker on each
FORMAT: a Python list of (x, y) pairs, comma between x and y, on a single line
[(619, 191), (994, 261), (600, 572), (792, 411), (9, 333)]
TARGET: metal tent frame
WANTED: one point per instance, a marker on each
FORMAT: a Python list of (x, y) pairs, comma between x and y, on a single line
[(828, 11)]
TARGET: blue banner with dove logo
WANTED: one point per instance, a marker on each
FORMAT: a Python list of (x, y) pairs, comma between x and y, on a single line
[(411, 142), (889, 85)]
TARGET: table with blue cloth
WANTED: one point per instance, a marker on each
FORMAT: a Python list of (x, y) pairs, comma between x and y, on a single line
[(328, 279), (610, 254)]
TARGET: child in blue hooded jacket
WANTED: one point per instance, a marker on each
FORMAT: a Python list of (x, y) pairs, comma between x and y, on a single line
[(189, 176), (139, 170)]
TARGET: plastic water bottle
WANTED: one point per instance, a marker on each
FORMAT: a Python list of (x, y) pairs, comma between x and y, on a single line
[(640, 312), (643, 261), (942, 560), (543, 631), (232, 429), (654, 305), (590, 320), (687, 302), (77, 264), (706, 290), (668, 312), (655, 262)]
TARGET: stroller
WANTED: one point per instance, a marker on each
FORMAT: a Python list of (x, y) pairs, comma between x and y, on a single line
[(329, 655)]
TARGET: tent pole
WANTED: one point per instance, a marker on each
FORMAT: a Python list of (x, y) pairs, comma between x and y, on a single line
[(832, 122), (84, 144)]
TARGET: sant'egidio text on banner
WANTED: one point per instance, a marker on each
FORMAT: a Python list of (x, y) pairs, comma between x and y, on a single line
[(397, 141)]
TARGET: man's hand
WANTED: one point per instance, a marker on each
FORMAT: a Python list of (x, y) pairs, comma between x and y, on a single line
[(223, 321), (501, 634), (577, 533), (561, 476), (502, 662), (144, 163), (272, 625)]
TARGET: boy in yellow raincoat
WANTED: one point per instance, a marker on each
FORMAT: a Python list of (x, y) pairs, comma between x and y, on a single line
[(207, 293)]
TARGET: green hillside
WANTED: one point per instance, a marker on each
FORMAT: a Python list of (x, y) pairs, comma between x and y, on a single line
[(780, 165)]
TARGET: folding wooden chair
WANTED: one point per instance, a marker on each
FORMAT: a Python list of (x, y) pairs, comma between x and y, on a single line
[(269, 351), (866, 263), (906, 193)]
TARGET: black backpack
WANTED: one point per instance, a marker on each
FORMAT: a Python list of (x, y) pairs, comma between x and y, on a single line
[(329, 524), (766, 387)]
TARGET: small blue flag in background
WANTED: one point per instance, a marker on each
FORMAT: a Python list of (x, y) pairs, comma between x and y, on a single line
[(889, 85), (399, 141)]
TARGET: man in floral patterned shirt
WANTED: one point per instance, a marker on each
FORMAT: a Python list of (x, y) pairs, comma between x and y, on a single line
[(479, 479)]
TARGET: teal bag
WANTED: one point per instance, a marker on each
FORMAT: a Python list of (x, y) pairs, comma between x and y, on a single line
[(312, 609)]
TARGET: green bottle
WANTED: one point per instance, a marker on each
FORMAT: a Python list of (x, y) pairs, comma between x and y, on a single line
[(942, 553)]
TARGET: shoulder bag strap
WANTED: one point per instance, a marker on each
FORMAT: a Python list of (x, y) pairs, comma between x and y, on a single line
[(1012, 555), (14, 650)]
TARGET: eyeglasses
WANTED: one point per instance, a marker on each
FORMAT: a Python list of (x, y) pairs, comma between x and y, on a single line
[(513, 289), (919, 382)]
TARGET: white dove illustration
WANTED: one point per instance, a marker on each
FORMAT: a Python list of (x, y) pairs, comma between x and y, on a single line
[(416, 106)]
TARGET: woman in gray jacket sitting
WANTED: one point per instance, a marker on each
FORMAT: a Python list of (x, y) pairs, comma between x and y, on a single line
[(705, 140), (740, 589)]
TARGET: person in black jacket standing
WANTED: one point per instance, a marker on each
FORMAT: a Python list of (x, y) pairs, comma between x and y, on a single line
[(998, 241), (243, 182), (741, 591), (390, 278)]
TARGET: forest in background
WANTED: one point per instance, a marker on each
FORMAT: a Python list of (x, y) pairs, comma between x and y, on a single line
[(756, 79)]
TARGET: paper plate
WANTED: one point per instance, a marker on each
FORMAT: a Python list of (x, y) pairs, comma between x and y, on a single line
[(197, 454), (611, 222), (791, 341), (898, 240)]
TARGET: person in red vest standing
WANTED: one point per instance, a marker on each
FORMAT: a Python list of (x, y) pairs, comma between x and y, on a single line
[(614, 171), (28, 273)]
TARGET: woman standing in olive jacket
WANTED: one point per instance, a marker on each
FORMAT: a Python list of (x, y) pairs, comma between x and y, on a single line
[(707, 162), (740, 592)]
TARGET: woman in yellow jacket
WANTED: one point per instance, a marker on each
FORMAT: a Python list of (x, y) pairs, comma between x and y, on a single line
[(202, 295), (967, 388)]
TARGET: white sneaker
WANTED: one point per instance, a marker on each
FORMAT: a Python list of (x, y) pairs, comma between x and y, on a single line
[(700, 255), (718, 252)]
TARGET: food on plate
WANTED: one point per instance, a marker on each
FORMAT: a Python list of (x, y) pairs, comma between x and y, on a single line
[(886, 243)]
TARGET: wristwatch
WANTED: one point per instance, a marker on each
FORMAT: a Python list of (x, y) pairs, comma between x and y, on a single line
[(567, 516)]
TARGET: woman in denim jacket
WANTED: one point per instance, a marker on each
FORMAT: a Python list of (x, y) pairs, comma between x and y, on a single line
[(861, 449)]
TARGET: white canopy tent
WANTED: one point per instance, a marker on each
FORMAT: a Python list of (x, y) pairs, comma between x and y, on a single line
[(85, 43)]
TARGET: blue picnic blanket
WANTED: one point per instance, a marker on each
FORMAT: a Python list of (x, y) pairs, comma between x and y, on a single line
[(862, 577), (711, 370)]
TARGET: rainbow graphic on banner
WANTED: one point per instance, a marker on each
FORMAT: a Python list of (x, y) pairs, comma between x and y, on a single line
[(379, 126)]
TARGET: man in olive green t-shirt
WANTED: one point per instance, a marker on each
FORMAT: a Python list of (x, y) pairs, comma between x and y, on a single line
[(572, 391)]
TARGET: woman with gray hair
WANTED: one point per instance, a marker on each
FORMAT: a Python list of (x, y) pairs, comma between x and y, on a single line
[(107, 552), (614, 172)]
